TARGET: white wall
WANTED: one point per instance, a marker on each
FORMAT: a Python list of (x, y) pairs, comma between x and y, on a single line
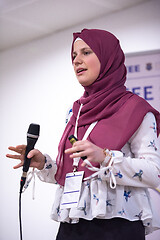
[(37, 84)]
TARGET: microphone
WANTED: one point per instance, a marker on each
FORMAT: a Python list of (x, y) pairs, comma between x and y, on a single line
[(32, 137)]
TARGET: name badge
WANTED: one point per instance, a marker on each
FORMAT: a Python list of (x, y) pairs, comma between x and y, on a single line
[(72, 189)]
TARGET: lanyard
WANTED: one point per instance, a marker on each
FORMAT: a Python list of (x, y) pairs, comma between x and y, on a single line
[(90, 128), (90, 167)]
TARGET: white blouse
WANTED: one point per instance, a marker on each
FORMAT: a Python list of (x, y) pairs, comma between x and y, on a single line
[(135, 172)]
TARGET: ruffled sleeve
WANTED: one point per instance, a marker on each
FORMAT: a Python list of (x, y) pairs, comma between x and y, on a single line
[(47, 174), (140, 165)]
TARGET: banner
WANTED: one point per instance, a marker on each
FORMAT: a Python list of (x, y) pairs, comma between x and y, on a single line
[(143, 76)]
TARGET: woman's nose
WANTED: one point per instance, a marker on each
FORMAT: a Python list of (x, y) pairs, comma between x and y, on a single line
[(77, 60)]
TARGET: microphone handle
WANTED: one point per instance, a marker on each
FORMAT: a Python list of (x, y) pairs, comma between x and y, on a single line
[(30, 145)]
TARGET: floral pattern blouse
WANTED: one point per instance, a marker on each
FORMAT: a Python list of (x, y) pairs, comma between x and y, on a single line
[(136, 171)]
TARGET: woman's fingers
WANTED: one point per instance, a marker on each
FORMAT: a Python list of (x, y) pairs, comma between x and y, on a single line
[(77, 151), (37, 158), (88, 149), (18, 165), (13, 156), (77, 147), (32, 153), (18, 149)]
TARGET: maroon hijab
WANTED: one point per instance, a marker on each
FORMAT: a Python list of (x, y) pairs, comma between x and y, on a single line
[(119, 112)]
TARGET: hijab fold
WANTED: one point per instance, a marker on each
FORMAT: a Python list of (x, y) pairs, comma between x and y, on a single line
[(119, 112)]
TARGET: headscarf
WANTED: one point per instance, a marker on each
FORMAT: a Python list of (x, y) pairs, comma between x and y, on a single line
[(119, 112)]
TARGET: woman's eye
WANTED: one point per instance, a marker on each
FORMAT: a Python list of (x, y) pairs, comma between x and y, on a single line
[(87, 52), (74, 56)]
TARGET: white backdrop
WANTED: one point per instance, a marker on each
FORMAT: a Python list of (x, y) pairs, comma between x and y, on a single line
[(37, 84)]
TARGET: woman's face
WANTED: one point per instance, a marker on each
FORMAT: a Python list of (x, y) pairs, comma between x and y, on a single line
[(85, 62)]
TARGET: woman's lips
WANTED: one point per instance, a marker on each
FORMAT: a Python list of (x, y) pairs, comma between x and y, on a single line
[(80, 71)]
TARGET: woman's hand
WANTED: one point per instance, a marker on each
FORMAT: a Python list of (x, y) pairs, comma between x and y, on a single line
[(88, 149), (37, 158)]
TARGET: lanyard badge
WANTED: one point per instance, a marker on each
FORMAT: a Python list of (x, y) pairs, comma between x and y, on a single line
[(72, 190)]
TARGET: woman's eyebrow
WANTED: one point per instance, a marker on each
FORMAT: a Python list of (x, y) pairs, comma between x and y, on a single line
[(83, 49)]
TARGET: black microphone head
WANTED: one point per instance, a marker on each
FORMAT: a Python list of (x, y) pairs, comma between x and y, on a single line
[(32, 137), (33, 130)]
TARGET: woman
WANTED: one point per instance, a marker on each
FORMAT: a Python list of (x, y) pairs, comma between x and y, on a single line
[(118, 141)]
